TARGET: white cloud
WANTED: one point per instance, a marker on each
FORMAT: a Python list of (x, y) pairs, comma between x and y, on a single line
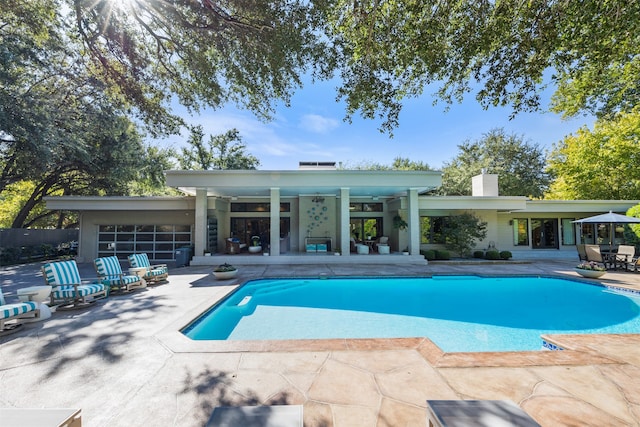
[(317, 123)]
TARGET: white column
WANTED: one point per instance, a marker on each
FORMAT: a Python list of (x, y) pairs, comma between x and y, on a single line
[(200, 223), (275, 223), (413, 213), (345, 235)]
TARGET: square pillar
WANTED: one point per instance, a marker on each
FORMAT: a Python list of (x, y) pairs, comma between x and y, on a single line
[(345, 235), (274, 244), (413, 214), (200, 223)]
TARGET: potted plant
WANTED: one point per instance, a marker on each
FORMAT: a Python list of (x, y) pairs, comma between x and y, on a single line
[(405, 251), (590, 269), (225, 271), (399, 223)]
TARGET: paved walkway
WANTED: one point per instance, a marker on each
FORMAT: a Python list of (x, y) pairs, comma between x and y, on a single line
[(112, 360)]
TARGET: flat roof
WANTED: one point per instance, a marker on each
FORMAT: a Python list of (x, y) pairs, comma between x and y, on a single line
[(258, 183)]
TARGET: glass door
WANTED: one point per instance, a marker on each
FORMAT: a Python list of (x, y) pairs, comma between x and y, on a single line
[(544, 233)]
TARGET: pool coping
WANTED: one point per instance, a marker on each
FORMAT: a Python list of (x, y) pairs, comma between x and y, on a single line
[(568, 353)]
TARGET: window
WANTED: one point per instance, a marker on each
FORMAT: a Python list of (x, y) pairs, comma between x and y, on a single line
[(568, 231), (432, 229), (520, 232), (245, 228), (258, 207), (365, 207), (159, 242), (363, 228)]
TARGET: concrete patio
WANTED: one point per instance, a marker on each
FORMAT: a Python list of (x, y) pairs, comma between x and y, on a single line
[(120, 363)]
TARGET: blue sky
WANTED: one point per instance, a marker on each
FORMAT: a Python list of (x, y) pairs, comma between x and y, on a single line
[(313, 129)]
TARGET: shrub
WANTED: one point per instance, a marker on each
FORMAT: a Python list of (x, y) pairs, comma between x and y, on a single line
[(505, 255), (478, 254), (441, 254), (462, 231), (429, 254), (492, 255)]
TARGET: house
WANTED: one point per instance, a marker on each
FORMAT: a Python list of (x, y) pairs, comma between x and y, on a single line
[(318, 210)]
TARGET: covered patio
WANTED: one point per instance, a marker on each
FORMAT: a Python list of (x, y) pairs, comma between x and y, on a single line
[(288, 212)]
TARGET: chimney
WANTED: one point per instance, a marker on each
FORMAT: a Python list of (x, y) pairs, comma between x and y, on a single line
[(484, 185)]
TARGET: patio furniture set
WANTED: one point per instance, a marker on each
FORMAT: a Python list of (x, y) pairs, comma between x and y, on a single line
[(623, 257), (67, 290)]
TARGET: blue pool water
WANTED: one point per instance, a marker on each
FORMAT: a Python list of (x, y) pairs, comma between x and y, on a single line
[(458, 313)]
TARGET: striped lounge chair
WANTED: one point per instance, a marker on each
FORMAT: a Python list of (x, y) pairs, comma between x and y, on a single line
[(154, 274), (110, 273), (68, 290), (10, 314)]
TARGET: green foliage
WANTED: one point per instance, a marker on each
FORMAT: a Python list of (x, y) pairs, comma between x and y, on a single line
[(478, 254), (429, 254), (632, 231), (399, 223), (520, 166), (492, 254), (599, 164), (461, 232), (399, 163), (394, 50), (506, 255), (203, 53), (224, 151), (442, 254)]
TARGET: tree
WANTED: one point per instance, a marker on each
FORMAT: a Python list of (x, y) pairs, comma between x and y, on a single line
[(599, 164), (224, 151), (206, 53), (59, 131), (399, 163), (509, 49), (632, 231), (520, 166), (461, 232)]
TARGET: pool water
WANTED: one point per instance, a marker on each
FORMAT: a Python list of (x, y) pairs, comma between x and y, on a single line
[(458, 313)]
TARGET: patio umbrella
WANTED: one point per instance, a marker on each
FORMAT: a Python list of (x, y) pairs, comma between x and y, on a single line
[(611, 218)]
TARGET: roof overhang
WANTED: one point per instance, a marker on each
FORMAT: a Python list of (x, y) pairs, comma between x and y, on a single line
[(119, 203), (579, 206), (499, 203), (258, 183)]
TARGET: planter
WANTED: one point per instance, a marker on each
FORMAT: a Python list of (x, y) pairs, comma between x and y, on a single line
[(224, 275), (592, 274)]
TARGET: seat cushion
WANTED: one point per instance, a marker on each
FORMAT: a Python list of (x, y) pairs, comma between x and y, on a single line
[(61, 273), (10, 310), (139, 260), (108, 266), (64, 292)]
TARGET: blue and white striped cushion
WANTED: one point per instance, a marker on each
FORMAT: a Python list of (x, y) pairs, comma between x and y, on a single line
[(63, 292), (108, 266), (156, 272), (62, 273), (120, 280), (10, 310), (139, 260)]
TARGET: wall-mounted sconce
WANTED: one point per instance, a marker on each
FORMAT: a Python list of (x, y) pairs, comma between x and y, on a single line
[(318, 199), (374, 198)]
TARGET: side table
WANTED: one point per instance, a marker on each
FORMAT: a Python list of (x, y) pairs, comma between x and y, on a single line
[(38, 294), (140, 272)]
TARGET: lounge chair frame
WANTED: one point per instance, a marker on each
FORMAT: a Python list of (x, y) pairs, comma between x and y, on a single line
[(12, 314), (68, 290)]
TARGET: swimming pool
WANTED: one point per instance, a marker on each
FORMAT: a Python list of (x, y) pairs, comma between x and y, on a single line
[(458, 313)]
